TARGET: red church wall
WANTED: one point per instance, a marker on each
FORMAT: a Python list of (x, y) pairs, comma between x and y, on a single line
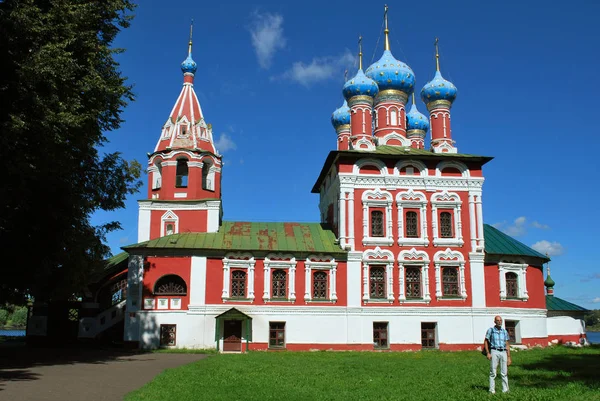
[(214, 285), (189, 221), (535, 288), (157, 267)]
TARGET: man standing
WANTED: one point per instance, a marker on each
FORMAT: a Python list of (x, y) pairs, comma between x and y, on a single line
[(498, 350)]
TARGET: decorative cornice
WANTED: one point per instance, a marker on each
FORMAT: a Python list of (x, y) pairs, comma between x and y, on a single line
[(438, 104), (360, 100), (151, 204)]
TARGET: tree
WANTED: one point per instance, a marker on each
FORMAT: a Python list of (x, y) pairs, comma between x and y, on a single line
[(60, 92)]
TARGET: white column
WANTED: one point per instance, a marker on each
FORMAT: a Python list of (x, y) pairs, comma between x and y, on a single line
[(524, 282), (463, 287), (480, 222), (426, 294), (144, 224), (400, 221), (458, 224), (365, 220), (251, 279), (197, 288), (342, 219), (390, 281), (307, 296), (390, 234), (292, 296), (424, 234), (226, 274), (434, 223), (351, 219), (267, 281), (332, 285), (472, 222), (438, 282), (477, 279), (401, 275), (502, 280), (365, 282)]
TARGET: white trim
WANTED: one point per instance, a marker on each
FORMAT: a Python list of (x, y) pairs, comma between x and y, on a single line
[(369, 162), (447, 200), (382, 199), (378, 256), (393, 135), (169, 217), (280, 262), (415, 200), (423, 171), (449, 258), (419, 259), (238, 261), (520, 269), (197, 288), (323, 263), (464, 170)]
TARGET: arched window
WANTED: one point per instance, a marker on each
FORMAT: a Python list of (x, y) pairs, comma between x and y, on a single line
[(319, 285), (450, 281), (376, 223), (170, 229), (512, 285), (157, 175), (170, 285), (181, 174), (446, 225), (412, 230), (377, 282), (278, 284), (393, 118), (238, 284)]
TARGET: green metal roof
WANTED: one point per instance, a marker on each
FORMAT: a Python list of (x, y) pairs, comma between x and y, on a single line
[(556, 304), (394, 152), (253, 236), (116, 259), (498, 243)]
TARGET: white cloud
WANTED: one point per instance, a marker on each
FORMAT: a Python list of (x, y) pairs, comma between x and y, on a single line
[(225, 143), (319, 69), (267, 36), (516, 229), (551, 248), (596, 300), (539, 225)]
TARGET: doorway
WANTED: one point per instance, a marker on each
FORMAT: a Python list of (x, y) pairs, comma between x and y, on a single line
[(232, 336)]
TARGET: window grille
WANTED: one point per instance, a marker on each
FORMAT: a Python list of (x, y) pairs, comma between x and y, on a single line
[(377, 223), (238, 284), (450, 281), (446, 225), (279, 280), (319, 285), (411, 225), (413, 282), (377, 282)]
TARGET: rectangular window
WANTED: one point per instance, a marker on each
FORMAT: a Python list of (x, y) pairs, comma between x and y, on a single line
[(377, 282), (319, 290), (238, 284), (413, 282), (412, 230), (278, 284), (512, 285), (428, 335), (380, 335), (511, 328), (450, 281), (168, 335), (446, 225), (276, 334), (376, 223)]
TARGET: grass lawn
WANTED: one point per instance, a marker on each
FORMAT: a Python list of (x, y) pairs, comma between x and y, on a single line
[(556, 373)]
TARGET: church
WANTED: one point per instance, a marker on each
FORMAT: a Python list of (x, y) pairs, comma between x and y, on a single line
[(400, 259)]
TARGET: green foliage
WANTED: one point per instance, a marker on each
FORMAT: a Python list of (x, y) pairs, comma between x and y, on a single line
[(60, 93), (592, 318), (3, 317), (556, 373), (19, 317)]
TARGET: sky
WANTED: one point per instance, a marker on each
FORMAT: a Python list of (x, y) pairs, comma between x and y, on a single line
[(270, 74)]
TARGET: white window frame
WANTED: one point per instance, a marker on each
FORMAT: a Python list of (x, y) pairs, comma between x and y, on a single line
[(520, 269), (419, 259), (446, 200), (412, 200), (450, 258), (238, 261), (167, 129), (280, 262), (327, 264), (169, 217), (378, 256), (377, 198)]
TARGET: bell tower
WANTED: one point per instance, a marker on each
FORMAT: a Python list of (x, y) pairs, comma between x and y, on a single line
[(184, 171)]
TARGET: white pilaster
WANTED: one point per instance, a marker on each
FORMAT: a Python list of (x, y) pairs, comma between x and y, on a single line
[(353, 279), (197, 288), (477, 279), (472, 222), (351, 219), (144, 225), (342, 220)]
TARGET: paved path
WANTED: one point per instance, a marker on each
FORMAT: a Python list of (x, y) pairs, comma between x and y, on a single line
[(75, 374)]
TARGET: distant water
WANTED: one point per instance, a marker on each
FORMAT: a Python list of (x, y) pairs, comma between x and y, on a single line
[(593, 337), (12, 333)]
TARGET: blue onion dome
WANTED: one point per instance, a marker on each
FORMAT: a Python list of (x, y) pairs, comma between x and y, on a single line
[(189, 65), (360, 85), (341, 116), (439, 89), (390, 73), (416, 121)]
